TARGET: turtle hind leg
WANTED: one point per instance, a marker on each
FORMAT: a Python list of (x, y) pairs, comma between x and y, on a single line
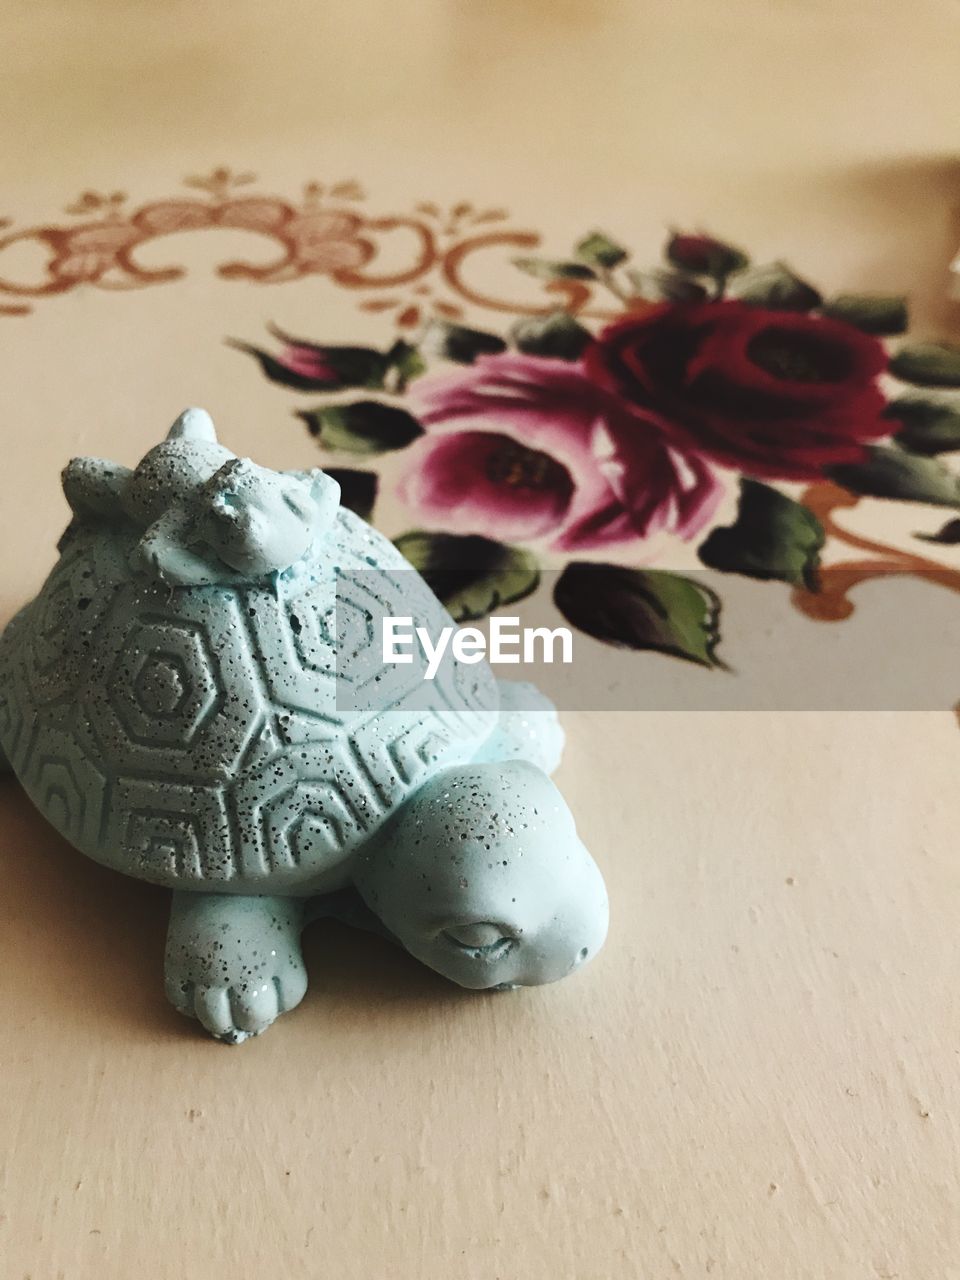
[(527, 728), (234, 962)]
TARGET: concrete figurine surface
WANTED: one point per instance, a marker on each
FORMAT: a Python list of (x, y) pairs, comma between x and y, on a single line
[(197, 698)]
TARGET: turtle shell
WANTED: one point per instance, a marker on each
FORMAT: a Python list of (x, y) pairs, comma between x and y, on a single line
[(237, 738)]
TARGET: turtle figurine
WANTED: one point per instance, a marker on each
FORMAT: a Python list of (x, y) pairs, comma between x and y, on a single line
[(198, 697)]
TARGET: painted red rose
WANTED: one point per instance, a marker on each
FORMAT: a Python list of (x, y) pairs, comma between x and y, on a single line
[(771, 393)]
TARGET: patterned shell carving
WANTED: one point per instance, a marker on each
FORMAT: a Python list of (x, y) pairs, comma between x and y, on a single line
[(229, 733)]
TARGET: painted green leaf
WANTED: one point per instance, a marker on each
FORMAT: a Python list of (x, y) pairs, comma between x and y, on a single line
[(926, 426), (704, 256), (550, 269), (641, 609), (666, 286), (457, 342), (772, 537), (405, 364), (599, 250), (471, 575), (358, 489), (557, 335), (366, 426), (895, 473), (881, 314), (948, 536), (775, 286), (928, 364)]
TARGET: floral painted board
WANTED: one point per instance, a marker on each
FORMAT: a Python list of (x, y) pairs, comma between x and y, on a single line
[(593, 429)]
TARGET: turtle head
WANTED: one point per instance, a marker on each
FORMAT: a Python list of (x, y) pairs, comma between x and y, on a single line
[(482, 876), (259, 521)]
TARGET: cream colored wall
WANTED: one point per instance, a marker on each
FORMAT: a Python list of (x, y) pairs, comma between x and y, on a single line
[(759, 1078)]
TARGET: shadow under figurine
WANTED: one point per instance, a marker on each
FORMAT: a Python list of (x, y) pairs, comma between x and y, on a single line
[(172, 702)]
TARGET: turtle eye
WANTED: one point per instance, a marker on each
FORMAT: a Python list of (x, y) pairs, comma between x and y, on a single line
[(299, 503), (480, 936)]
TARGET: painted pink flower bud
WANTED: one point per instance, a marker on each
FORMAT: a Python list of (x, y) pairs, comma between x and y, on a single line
[(309, 366)]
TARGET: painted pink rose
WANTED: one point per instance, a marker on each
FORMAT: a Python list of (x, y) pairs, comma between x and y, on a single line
[(523, 448)]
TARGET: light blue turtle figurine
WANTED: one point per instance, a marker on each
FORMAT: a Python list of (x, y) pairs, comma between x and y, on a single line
[(196, 698)]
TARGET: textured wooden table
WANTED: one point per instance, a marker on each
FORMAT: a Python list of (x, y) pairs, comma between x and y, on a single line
[(759, 1077)]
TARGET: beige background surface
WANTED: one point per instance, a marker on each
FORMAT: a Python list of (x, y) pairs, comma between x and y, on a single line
[(759, 1077)]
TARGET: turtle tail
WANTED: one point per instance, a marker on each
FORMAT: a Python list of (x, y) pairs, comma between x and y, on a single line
[(193, 424), (527, 728)]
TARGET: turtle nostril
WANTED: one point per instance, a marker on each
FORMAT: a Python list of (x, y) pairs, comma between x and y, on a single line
[(583, 953)]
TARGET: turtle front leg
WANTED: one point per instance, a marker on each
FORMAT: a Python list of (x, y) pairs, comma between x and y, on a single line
[(234, 962)]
